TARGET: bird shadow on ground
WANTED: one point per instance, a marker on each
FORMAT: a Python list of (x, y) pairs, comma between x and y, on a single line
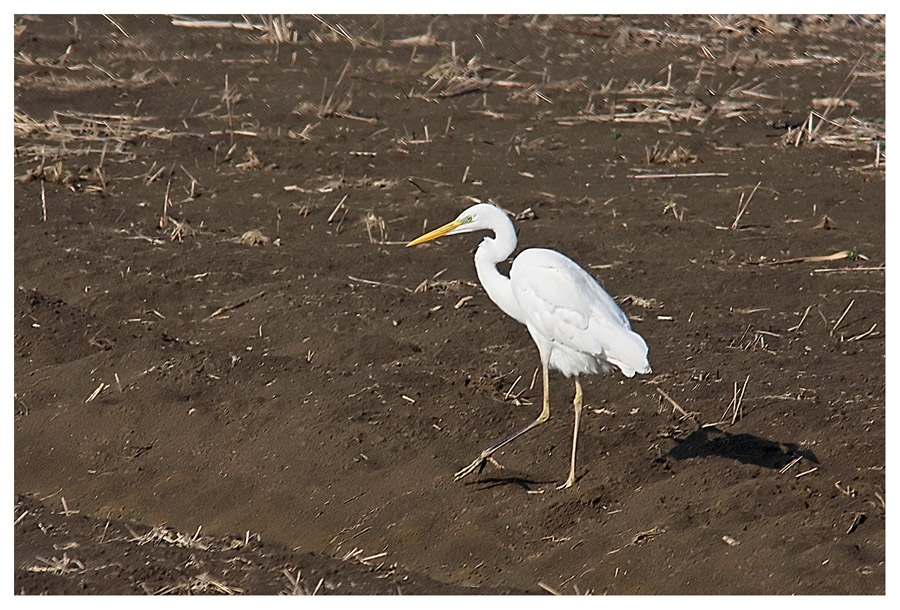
[(745, 448), (525, 483)]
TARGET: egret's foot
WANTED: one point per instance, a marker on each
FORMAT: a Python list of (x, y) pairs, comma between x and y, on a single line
[(479, 464), (569, 482)]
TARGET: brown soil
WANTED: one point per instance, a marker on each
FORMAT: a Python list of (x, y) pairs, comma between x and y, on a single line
[(197, 412)]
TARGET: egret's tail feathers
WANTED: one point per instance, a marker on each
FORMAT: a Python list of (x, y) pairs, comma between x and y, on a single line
[(628, 371), (629, 353)]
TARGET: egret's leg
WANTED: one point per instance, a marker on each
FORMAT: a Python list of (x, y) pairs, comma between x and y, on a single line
[(487, 454), (577, 404)]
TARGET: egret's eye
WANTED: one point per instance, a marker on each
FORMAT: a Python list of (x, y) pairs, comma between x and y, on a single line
[(468, 218)]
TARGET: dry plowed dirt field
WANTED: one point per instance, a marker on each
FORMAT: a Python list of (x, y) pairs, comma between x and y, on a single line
[(232, 377)]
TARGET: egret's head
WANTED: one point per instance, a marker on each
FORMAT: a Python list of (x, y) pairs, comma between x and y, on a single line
[(479, 217)]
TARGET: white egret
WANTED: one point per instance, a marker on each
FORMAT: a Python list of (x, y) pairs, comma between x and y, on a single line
[(577, 326)]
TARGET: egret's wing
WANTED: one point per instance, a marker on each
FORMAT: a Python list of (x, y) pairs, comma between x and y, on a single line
[(567, 306)]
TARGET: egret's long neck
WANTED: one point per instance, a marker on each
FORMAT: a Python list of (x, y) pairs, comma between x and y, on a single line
[(491, 251)]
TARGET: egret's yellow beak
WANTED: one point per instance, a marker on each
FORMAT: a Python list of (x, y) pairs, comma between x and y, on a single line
[(439, 232)]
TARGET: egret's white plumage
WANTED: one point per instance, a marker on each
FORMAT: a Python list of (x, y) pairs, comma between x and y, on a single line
[(576, 325)]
